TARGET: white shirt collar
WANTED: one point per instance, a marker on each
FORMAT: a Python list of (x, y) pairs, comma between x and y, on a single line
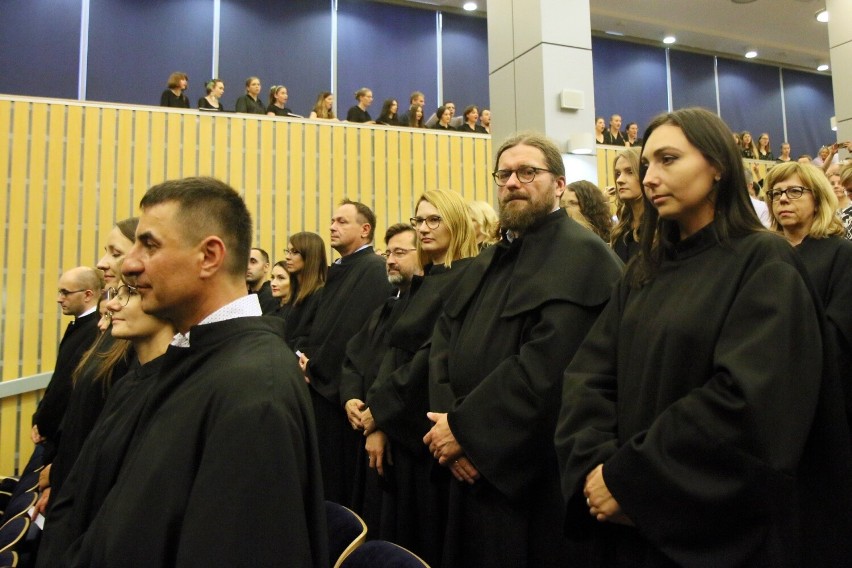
[(246, 306)]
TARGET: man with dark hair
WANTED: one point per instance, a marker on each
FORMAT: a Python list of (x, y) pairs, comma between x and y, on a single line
[(416, 98), (228, 416), (78, 296), (356, 285), (498, 353), (455, 121), (364, 353), (257, 279)]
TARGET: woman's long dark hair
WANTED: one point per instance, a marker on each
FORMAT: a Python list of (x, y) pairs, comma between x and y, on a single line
[(312, 277), (734, 214)]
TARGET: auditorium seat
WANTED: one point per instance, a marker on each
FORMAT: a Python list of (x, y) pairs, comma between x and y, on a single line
[(382, 554), (346, 532)]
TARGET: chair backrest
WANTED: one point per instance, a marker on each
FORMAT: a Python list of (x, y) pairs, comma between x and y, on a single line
[(28, 482), (19, 506), (382, 554), (12, 532), (346, 531), (8, 559)]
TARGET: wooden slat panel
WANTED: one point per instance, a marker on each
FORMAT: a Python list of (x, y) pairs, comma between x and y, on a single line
[(431, 164), (8, 429), (468, 190), (142, 166), (322, 207), (205, 146), (236, 144), (481, 177), (392, 172), (309, 183), (406, 189), (53, 233), (158, 148), (380, 188), (124, 204), (174, 128), (455, 159), (251, 180), (353, 167), (299, 193), (444, 162), (265, 213), (282, 191), (190, 146), (89, 191), (29, 402), (105, 194), (221, 144), (72, 196), (418, 164), (332, 195)]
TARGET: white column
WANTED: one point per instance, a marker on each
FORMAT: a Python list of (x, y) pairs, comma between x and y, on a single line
[(840, 44)]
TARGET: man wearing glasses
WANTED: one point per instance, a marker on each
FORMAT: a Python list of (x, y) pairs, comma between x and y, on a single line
[(498, 354), (78, 295)]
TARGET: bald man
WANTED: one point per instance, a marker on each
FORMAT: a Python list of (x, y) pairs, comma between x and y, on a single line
[(78, 293)]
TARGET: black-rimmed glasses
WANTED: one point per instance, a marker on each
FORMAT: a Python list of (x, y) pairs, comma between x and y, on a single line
[(123, 294), (432, 221), (792, 192), (525, 174), (397, 252), (65, 293)]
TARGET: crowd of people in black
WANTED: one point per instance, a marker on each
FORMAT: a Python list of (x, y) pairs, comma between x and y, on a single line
[(491, 389), (444, 117)]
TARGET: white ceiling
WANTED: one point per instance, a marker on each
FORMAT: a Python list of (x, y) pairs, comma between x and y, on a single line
[(781, 31)]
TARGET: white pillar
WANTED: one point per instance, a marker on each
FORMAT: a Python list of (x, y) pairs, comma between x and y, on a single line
[(840, 44)]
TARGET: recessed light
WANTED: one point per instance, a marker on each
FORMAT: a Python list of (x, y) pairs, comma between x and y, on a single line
[(823, 67), (610, 32), (469, 6), (751, 54), (822, 16), (668, 40)]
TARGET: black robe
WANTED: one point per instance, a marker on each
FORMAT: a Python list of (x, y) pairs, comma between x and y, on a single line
[(300, 320), (829, 264), (87, 402), (364, 354), (517, 316), (222, 469), (355, 287), (267, 301), (704, 395), (94, 473), (78, 337), (414, 509)]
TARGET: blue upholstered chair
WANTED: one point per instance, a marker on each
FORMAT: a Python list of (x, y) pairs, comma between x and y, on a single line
[(12, 532), (382, 554), (8, 559), (346, 532)]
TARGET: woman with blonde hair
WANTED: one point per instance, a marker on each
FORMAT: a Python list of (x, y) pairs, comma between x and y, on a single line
[(358, 113), (486, 223), (624, 238), (395, 419), (324, 106)]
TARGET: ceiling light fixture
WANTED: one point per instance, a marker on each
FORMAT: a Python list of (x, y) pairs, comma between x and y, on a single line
[(613, 33), (822, 16), (751, 54), (823, 67), (668, 40)]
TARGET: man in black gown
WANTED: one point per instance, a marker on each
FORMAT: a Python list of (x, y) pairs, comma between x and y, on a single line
[(357, 284), (79, 292), (257, 279), (517, 315), (222, 467)]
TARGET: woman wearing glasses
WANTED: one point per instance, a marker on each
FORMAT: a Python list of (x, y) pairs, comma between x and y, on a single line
[(395, 420), (679, 444), (624, 238), (306, 262), (105, 362), (81, 497), (803, 209)]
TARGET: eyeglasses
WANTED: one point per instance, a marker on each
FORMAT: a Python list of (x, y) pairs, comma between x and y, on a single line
[(65, 293), (123, 294), (792, 192), (432, 221), (525, 174), (398, 253), (291, 252)]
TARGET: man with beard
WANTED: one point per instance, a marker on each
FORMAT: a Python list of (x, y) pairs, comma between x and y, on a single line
[(364, 354), (498, 353)]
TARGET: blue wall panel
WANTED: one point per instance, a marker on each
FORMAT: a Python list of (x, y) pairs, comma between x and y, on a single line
[(750, 99), (810, 105), (693, 80), (390, 49), (285, 43), (134, 46), (40, 47), (465, 58), (630, 80)]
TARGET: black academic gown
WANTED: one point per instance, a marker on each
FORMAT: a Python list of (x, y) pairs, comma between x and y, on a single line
[(78, 337), (87, 402), (93, 474), (268, 302), (829, 264), (355, 287), (704, 395), (300, 320), (498, 351), (364, 353), (222, 469), (414, 509)]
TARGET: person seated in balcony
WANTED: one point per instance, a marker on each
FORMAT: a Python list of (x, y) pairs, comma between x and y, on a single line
[(174, 95), (212, 102), (358, 113), (249, 103)]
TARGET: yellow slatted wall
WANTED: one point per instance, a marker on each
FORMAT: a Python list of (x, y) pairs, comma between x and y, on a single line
[(70, 170)]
